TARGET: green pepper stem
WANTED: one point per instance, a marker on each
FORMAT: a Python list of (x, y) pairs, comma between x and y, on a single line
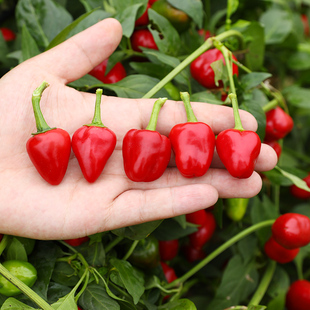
[(97, 115), (36, 98), (234, 101), (204, 47), (264, 283), (25, 289), (188, 107), (132, 248), (155, 112), (218, 251)]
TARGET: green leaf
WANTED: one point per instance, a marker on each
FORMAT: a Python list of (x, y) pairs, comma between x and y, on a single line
[(232, 6), (277, 303), (14, 304), (206, 96), (238, 282), (299, 61), (296, 180), (62, 36), (247, 247), (127, 18), (277, 24), (29, 45), (253, 79), (181, 304), (297, 96), (165, 35), (193, 8), (132, 278), (65, 303), (279, 283), (16, 251), (137, 232)]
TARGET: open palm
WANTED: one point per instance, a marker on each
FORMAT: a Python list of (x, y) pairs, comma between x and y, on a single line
[(31, 207)]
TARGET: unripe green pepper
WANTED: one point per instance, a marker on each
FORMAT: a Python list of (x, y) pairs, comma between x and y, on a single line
[(236, 208), (24, 271), (179, 19), (173, 91), (146, 253)]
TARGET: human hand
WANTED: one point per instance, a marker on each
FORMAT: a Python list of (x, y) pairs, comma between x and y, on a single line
[(31, 207)]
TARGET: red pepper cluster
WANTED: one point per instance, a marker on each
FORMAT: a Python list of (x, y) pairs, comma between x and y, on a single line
[(290, 232)]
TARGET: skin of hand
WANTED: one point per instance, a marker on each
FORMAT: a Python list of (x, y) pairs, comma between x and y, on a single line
[(31, 207)]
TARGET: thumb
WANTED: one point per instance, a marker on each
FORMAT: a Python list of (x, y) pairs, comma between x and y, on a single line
[(78, 55)]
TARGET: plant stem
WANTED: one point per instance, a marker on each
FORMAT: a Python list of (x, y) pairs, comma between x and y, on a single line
[(204, 47), (219, 250), (97, 115), (188, 108), (238, 124), (4, 242), (133, 246), (155, 112), (36, 98), (265, 281), (270, 105), (113, 243), (25, 289)]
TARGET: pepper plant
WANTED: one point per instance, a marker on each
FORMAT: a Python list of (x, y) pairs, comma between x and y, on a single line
[(236, 259)]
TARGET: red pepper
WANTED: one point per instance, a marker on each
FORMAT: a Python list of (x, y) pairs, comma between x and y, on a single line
[(168, 272), (143, 20), (292, 230), (278, 124), (146, 153), (142, 38), (205, 230), (8, 34), (278, 253), (93, 144), (276, 146), (301, 193), (49, 148), (202, 71), (116, 74), (193, 143), (298, 295), (77, 241), (206, 34), (238, 150), (305, 22), (168, 249), (193, 254)]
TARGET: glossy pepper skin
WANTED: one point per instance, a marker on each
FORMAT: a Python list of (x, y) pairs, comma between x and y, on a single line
[(192, 143), (202, 71), (49, 149), (301, 193), (238, 151), (278, 124), (168, 249), (116, 74), (8, 34), (142, 38), (93, 145), (168, 272), (298, 295), (77, 241), (146, 153), (278, 253), (146, 253), (291, 230), (143, 20), (22, 270)]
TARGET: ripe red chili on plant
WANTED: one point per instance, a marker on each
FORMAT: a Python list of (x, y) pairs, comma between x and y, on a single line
[(49, 148), (77, 241), (168, 272), (146, 153), (8, 34), (202, 71), (276, 146), (193, 143), (93, 144), (292, 230), (168, 249), (298, 295), (143, 20), (116, 74), (278, 124), (299, 192), (278, 253), (193, 254), (142, 38)]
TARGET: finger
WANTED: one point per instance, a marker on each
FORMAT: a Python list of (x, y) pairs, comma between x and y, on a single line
[(158, 204), (79, 54), (226, 185)]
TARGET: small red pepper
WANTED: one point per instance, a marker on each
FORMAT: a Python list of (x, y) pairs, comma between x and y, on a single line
[(168, 272), (237, 148), (276, 146), (301, 193), (292, 230), (168, 249), (193, 143), (77, 241), (116, 74), (8, 34), (193, 254), (93, 144), (298, 296), (278, 124), (49, 148), (142, 38), (143, 20), (278, 253), (146, 153)]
